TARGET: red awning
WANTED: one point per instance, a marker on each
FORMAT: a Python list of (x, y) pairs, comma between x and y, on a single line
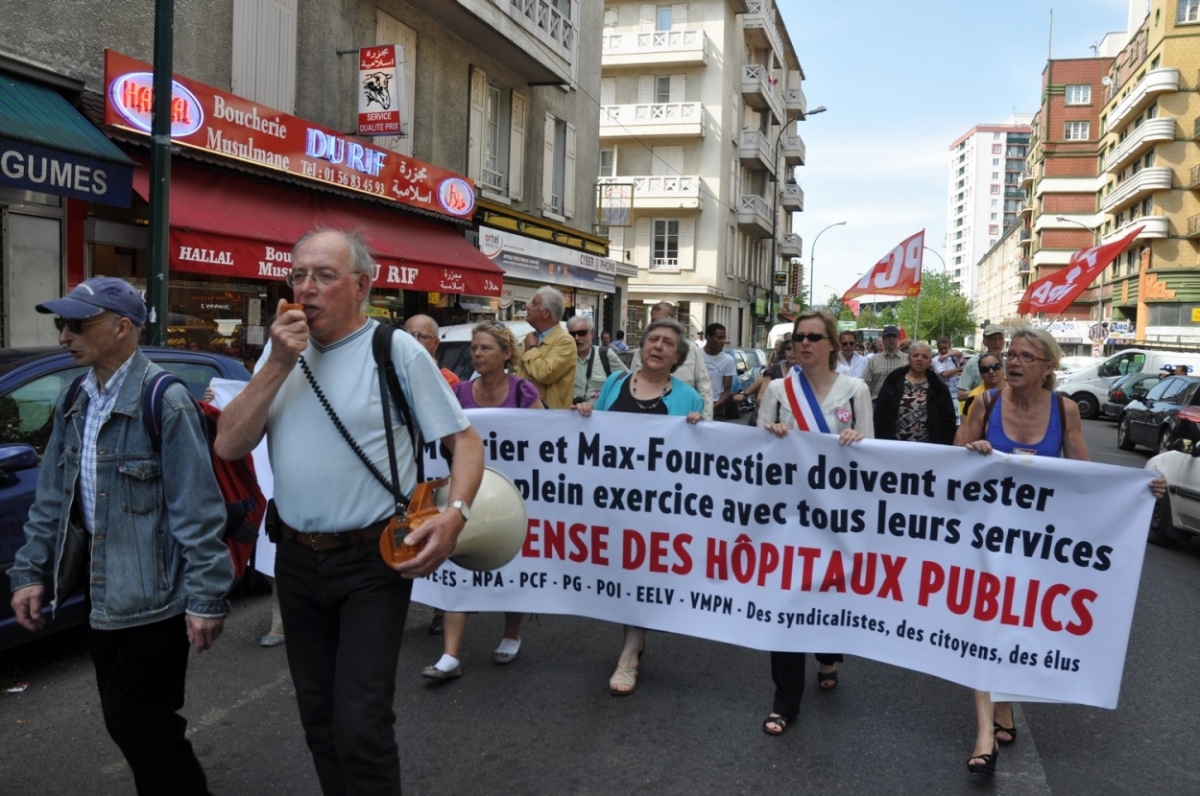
[(225, 225)]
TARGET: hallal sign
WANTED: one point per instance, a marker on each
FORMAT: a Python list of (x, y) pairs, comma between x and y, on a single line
[(207, 119), (380, 81)]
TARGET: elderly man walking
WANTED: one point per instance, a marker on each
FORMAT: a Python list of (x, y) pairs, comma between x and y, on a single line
[(885, 361), (594, 364), (549, 357), (141, 527), (344, 607), (425, 331)]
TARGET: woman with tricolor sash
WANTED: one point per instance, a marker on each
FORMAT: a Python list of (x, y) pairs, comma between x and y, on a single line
[(813, 396)]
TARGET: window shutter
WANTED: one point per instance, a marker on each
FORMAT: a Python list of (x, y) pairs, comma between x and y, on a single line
[(475, 124), (734, 194), (667, 161), (516, 148), (264, 52), (610, 17), (616, 243), (548, 164), (608, 91), (687, 247), (642, 255), (649, 18), (679, 16), (678, 88), (569, 174), (645, 89), (389, 30)]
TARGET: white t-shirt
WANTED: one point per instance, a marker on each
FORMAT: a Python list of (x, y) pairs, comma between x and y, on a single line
[(718, 368), (855, 367), (950, 363), (320, 485)]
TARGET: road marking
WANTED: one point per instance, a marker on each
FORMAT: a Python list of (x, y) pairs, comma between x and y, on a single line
[(1019, 769)]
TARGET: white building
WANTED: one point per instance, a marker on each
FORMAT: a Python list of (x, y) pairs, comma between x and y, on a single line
[(697, 104), (985, 193)]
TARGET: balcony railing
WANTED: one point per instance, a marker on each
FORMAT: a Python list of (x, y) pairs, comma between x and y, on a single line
[(1013, 193), (545, 21), (1196, 128), (760, 89), (657, 47), (1193, 226), (1157, 82), (791, 245), (1139, 141), (1194, 182), (1152, 227), (1025, 234), (1023, 265), (754, 215), (661, 192), (793, 196), (1026, 177), (652, 119), (794, 150), (794, 101), (755, 151), (758, 23), (1145, 182)]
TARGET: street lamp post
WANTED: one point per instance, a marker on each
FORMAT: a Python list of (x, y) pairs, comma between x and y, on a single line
[(945, 278), (812, 260), (775, 213)]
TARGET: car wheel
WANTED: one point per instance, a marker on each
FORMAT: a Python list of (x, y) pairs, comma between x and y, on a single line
[(1124, 441), (1164, 440), (1162, 532), (1088, 406)]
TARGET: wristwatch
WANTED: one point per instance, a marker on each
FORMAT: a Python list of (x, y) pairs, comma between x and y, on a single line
[(463, 507)]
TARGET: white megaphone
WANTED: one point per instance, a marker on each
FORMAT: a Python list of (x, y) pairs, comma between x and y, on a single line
[(490, 539)]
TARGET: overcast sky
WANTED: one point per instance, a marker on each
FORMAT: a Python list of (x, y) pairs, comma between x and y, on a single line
[(902, 81)]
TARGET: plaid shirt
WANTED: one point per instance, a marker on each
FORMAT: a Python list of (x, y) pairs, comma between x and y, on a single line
[(100, 406)]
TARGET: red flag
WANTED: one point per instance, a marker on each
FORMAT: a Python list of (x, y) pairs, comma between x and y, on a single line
[(1054, 293), (898, 274)]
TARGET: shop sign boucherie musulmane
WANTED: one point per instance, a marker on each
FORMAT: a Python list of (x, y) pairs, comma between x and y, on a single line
[(205, 118)]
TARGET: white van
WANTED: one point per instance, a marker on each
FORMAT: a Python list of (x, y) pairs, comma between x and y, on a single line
[(1088, 387)]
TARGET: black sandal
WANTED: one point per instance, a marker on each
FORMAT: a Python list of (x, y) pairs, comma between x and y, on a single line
[(988, 766), (778, 721), (827, 677), (1012, 733)]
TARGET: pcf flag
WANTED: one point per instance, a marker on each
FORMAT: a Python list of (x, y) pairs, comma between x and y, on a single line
[(1054, 293), (897, 274)]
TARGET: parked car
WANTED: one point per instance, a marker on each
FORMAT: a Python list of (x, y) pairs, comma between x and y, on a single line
[(1088, 386), (1177, 514), (1071, 364), (1126, 389), (31, 381), (1151, 421)]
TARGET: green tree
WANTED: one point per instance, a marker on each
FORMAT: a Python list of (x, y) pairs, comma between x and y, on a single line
[(867, 319), (941, 299)]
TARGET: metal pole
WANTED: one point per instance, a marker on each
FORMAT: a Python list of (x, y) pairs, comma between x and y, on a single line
[(774, 232), (812, 261), (160, 172), (945, 278)]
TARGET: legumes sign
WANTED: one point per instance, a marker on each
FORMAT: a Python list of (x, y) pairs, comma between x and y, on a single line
[(205, 118)]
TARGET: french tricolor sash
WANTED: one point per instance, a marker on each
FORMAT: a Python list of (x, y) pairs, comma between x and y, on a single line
[(805, 406)]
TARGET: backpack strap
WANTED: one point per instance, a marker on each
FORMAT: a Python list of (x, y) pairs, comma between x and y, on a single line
[(153, 395), (604, 361), (519, 396), (1062, 423), (72, 394), (389, 383)]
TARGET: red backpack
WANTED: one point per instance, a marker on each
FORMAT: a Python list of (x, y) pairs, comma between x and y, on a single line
[(244, 501)]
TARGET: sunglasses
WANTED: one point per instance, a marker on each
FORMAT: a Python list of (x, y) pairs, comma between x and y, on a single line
[(811, 337), (848, 343), (990, 368), (580, 332), (74, 325)]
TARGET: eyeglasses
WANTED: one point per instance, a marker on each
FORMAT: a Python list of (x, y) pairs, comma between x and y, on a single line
[(580, 332), (849, 343), (422, 335), (811, 337), (74, 325), (322, 276), (1025, 357), (990, 368)]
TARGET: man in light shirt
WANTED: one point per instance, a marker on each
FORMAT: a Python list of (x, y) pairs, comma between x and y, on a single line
[(849, 361)]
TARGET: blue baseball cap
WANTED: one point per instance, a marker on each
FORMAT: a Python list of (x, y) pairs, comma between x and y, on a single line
[(94, 296), (890, 330)]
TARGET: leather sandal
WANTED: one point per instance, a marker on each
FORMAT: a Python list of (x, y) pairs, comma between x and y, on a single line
[(623, 677), (827, 681), (988, 766), (1012, 733), (778, 721)]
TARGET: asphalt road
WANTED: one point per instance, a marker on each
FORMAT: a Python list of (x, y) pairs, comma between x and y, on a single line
[(546, 723)]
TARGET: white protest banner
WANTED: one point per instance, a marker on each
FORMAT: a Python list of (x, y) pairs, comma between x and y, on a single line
[(1008, 574)]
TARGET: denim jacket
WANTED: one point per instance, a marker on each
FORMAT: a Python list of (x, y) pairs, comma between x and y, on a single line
[(156, 549)]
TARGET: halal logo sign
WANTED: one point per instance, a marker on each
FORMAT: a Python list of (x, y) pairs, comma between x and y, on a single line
[(456, 196), (132, 95)]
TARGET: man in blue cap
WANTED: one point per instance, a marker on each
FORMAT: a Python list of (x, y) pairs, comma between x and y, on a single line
[(142, 528)]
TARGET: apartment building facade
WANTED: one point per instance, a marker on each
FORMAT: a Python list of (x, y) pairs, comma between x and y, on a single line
[(1151, 170), (1062, 174), (698, 108), (1003, 276), (985, 195), (500, 92)]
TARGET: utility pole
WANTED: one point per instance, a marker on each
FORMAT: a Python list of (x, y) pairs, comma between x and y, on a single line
[(160, 172)]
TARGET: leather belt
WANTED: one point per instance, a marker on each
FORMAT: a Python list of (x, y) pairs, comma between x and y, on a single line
[(334, 540)]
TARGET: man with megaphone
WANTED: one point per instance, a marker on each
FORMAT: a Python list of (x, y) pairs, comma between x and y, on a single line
[(316, 394)]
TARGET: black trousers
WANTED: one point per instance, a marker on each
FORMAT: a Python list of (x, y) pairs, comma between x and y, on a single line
[(140, 672), (344, 611), (787, 671)]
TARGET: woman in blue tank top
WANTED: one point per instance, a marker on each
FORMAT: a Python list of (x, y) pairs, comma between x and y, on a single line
[(1025, 417)]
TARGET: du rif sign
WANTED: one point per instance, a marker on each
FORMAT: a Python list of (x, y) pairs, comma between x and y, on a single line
[(379, 84)]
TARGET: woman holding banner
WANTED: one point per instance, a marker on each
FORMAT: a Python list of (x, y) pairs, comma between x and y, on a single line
[(812, 397), (493, 348), (1026, 416), (650, 390)]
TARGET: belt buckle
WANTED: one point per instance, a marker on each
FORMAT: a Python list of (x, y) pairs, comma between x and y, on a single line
[(312, 540)]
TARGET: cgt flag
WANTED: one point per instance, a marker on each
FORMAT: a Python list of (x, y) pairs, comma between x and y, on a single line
[(897, 274), (1054, 293)]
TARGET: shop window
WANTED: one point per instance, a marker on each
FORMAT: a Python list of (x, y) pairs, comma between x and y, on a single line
[(264, 52)]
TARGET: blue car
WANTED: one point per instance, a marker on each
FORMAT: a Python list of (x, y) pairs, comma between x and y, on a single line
[(31, 379)]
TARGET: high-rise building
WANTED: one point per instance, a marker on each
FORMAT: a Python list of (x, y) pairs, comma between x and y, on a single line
[(698, 104), (985, 193)]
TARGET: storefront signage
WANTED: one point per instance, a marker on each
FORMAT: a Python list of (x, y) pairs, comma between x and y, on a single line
[(214, 121), (380, 82), (547, 263), (34, 168)]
